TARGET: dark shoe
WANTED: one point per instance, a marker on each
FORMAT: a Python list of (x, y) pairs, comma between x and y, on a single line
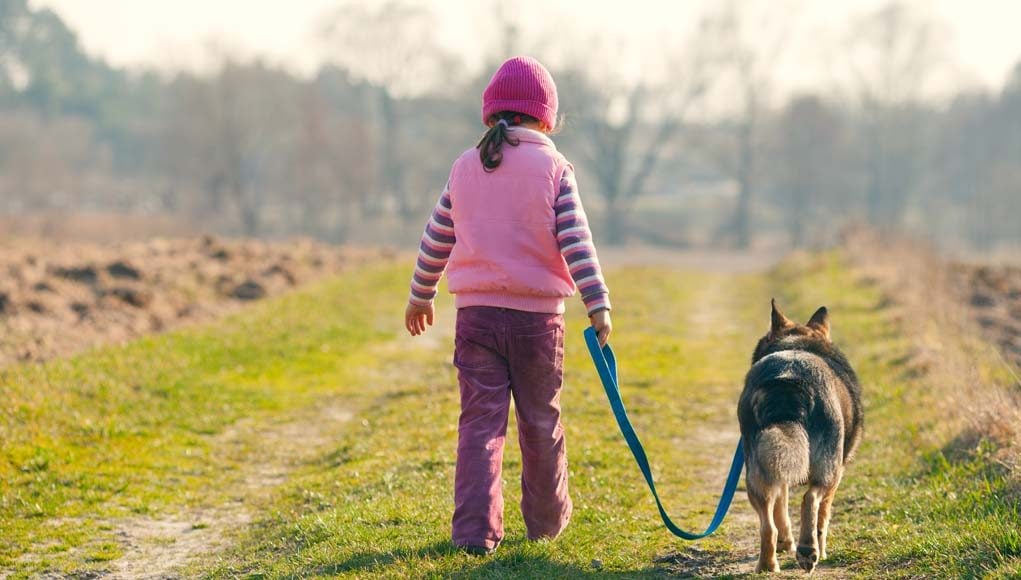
[(476, 550)]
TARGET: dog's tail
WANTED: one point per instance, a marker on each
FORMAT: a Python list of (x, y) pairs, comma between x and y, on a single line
[(781, 452)]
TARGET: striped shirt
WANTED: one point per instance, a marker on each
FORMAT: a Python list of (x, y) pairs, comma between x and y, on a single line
[(573, 237)]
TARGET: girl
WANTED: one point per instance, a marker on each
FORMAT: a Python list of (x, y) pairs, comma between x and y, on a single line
[(510, 231)]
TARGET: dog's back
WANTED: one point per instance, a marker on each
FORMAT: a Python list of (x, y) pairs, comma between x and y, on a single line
[(797, 417), (801, 420)]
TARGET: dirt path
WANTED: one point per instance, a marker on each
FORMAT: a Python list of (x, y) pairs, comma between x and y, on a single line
[(157, 547), (702, 260), (713, 320), (267, 453)]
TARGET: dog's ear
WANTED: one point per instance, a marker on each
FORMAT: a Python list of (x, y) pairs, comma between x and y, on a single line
[(780, 322), (820, 321)]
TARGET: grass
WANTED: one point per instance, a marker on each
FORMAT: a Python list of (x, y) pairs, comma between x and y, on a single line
[(924, 506), (132, 431), (137, 431)]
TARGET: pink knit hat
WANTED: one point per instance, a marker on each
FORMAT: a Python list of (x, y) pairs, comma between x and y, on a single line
[(522, 85)]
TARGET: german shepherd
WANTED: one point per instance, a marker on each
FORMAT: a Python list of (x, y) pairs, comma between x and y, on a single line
[(801, 419)]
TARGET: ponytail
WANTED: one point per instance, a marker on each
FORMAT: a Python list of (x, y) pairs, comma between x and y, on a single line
[(491, 143)]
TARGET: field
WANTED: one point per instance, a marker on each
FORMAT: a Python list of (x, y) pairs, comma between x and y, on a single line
[(307, 436), (59, 297)]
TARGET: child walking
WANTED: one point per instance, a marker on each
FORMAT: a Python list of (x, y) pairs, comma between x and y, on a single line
[(511, 234)]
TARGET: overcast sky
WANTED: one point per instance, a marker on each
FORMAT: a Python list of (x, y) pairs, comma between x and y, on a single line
[(982, 37)]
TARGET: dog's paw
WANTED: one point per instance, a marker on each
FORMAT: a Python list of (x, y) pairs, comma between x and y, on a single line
[(770, 566), (808, 557), (785, 545)]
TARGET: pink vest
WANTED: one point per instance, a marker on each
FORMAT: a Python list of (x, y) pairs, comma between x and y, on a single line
[(506, 253)]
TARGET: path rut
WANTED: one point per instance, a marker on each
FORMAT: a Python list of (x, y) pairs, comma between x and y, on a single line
[(159, 547)]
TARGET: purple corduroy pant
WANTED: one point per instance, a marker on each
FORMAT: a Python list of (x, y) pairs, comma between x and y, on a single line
[(502, 353)]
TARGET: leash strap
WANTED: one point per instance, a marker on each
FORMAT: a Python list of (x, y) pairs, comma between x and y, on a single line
[(606, 364)]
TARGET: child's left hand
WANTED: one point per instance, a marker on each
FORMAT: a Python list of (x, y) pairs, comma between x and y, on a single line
[(416, 317), (601, 322)]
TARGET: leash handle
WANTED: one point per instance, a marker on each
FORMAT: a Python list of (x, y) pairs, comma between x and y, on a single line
[(606, 365)]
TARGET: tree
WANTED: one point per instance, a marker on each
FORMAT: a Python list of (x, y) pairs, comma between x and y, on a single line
[(625, 128), (807, 168), (393, 46), (233, 133), (749, 42), (975, 166), (330, 169), (892, 53), (46, 164)]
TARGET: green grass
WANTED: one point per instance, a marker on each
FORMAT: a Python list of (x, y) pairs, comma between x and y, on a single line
[(922, 506), (130, 431), (136, 432)]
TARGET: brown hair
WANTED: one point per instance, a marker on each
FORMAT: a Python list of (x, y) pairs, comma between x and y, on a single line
[(491, 143)]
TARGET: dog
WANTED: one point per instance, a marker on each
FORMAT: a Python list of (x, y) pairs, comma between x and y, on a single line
[(801, 421)]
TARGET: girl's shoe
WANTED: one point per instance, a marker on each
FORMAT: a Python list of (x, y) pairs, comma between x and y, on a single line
[(477, 550)]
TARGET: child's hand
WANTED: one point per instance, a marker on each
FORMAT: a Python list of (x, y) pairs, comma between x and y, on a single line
[(601, 322), (416, 317)]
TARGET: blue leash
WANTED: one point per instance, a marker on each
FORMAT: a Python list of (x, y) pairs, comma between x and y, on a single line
[(606, 364)]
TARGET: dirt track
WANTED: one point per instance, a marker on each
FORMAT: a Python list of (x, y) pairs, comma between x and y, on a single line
[(60, 298)]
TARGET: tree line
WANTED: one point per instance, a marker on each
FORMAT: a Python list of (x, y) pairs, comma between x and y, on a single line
[(707, 154)]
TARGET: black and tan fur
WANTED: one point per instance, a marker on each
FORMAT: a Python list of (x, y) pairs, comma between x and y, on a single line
[(801, 419)]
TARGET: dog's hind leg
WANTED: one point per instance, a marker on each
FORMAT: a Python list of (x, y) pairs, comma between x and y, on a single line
[(782, 519), (764, 500), (808, 542), (825, 511)]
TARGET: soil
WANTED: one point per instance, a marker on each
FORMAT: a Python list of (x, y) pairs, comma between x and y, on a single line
[(993, 298), (59, 298), (957, 293)]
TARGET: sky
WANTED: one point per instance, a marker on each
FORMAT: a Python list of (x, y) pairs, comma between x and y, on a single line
[(981, 38)]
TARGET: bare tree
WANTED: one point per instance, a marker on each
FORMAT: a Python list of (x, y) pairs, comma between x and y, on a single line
[(626, 128), (975, 166), (806, 166), (893, 53), (749, 40), (329, 169), (392, 45), (233, 131), (49, 163)]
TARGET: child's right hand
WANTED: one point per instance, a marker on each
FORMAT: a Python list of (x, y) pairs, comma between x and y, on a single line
[(416, 317), (601, 322)]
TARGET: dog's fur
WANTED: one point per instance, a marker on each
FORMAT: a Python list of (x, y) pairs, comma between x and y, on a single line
[(801, 419)]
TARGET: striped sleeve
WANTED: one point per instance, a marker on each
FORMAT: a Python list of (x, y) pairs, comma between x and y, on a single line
[(575, 240), (433, 252)]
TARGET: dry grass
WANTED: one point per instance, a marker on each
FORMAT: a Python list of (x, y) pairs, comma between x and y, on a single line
[(949, 345), (106, 228)]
